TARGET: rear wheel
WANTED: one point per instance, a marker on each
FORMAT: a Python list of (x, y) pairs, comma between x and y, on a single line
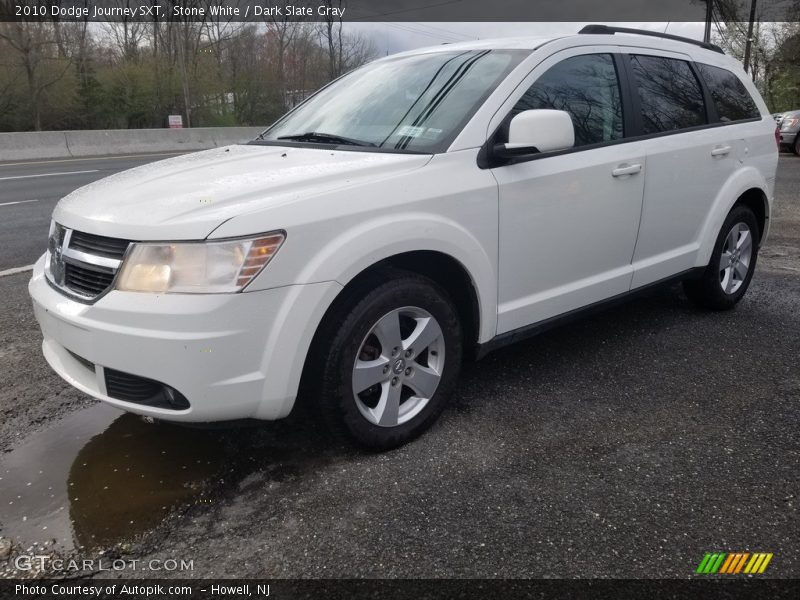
[(388, 359), (733, 261)]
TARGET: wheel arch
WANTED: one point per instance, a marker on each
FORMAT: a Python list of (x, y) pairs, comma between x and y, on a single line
[(756, 200), (443, 269), (431, 245), (746, 187), (462, 260), (454, 278)]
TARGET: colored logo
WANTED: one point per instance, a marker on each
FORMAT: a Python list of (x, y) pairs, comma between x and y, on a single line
[(731, 563)]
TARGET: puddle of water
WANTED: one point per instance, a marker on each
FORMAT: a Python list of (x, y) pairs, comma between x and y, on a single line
[(98, 477)]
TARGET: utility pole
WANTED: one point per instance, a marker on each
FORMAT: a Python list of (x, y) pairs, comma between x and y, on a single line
[(709, 18), (749, 40)]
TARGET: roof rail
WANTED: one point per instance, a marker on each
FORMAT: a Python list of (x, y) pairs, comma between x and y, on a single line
[(605, 29)]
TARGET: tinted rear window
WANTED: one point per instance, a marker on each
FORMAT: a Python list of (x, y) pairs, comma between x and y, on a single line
[(669, 94), (731, 98)]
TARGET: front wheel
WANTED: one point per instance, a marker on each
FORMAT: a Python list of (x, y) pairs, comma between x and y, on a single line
[(733, 261), (391, 362)]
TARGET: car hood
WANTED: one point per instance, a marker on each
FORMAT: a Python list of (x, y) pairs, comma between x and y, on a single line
[(189, 196)]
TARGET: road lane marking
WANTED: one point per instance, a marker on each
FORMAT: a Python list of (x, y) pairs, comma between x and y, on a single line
[(16, 270), (18, 202), (116, 156), (49, 174)]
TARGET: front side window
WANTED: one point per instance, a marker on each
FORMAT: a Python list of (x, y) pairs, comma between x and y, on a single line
[(587, 88), (412, 103), (731, 98), (669, 94)]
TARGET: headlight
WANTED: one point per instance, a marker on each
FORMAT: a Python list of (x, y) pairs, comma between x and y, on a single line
[(197, 267)]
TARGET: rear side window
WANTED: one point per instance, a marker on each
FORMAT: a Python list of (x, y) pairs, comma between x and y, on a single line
[(588, 89), (669, 94), (731, 98)]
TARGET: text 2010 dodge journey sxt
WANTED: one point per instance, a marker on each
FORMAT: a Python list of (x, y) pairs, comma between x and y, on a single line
[(427, 207)]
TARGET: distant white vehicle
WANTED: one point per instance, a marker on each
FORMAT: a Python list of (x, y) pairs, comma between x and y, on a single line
[(431, 205)]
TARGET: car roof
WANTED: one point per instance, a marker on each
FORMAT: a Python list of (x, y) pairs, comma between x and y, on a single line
[(509, 43), (534, 42)]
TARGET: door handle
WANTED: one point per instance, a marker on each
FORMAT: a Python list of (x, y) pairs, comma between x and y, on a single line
[(721, 151), (626, 170)]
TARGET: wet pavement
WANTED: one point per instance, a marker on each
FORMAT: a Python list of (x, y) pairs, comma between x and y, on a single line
[(627, 444), (99, 477)]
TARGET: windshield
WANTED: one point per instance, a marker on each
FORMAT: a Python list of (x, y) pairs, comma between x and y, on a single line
[(413, 103)]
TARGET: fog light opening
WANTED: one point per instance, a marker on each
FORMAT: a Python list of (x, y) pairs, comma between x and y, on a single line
[(175, 399)]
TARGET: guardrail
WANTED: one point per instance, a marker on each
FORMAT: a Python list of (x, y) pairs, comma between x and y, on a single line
[(71, 144)]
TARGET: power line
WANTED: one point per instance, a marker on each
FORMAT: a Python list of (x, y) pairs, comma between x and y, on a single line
[(470, 37), (418, 31), (421, 31)]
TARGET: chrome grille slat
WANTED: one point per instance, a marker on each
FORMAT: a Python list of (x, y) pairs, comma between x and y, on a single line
[(99, 245), (89, 276), (83, 265), (93, 282)]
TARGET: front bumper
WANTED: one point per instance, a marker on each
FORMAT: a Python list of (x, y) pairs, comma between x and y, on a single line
[(233, 356)]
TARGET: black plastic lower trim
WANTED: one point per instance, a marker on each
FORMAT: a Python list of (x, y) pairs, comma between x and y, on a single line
[(528, 331), (140, 390)]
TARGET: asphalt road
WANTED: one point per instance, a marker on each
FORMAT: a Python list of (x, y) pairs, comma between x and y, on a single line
[(29, 192), (627, 444)]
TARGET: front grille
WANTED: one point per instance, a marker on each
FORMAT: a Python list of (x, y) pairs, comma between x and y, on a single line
[(132, 388), (98, 245), (87, 281), (83, 265)]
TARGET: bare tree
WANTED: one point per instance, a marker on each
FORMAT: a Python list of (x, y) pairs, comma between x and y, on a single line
[(133, 74), (36, 49), (282, 32), (331, 32), (763, 62)]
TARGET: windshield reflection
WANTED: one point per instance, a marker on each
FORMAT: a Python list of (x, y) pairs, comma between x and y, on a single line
[(412, 103)]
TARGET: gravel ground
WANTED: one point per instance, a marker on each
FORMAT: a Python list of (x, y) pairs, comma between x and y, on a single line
[(624, 445)]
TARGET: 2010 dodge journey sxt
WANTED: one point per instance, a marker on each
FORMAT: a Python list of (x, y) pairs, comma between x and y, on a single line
[(428, 206)]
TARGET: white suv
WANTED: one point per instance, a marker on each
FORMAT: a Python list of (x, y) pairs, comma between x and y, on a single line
[(427, 207)]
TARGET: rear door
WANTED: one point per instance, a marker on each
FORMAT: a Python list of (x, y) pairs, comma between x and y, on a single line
[(687, 161)]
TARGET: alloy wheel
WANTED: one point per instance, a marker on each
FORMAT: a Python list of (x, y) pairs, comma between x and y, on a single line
[(398, 366), (737, 252)]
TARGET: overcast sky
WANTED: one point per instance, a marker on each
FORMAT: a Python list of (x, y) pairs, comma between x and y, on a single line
[(396, 37)]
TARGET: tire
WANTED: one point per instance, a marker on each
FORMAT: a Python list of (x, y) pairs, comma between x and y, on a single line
[(733, 261), (367, 341), (796, 145)]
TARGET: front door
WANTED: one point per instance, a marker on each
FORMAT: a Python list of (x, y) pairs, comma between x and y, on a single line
[(569, 220)]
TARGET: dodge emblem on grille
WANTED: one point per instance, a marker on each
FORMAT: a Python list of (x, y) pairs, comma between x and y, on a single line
[(57, 269), (58, 265)]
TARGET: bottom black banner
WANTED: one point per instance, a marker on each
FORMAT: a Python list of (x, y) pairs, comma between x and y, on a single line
[(399, 588)]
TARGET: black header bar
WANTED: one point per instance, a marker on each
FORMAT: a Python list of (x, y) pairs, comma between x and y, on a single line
[(386, 10)]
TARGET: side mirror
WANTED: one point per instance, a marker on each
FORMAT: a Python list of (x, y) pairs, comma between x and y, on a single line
[(533, 131)]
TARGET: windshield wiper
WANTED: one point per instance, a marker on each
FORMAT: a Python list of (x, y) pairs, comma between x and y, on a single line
[(325, 138)]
